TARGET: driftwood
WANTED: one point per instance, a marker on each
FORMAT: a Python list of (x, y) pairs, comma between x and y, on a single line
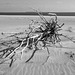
[(47, 32)]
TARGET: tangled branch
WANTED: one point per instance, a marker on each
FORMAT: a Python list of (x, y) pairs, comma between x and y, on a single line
[(46, 32)]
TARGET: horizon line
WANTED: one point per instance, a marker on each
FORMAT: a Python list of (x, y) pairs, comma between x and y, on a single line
[(35, 13)]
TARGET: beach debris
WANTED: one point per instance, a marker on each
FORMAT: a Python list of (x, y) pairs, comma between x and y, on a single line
[(2, 33), (70, 55), (46, 32)]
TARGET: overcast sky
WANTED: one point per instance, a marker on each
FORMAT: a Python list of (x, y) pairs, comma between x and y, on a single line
[(43, 5)]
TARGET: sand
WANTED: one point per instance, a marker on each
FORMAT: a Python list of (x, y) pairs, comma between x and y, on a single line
[(40, 57), (34, 67)]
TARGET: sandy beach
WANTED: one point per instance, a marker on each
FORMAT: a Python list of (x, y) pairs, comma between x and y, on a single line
[(11, 25)]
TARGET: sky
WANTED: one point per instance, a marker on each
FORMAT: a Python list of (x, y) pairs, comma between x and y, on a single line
[(42, 5)]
